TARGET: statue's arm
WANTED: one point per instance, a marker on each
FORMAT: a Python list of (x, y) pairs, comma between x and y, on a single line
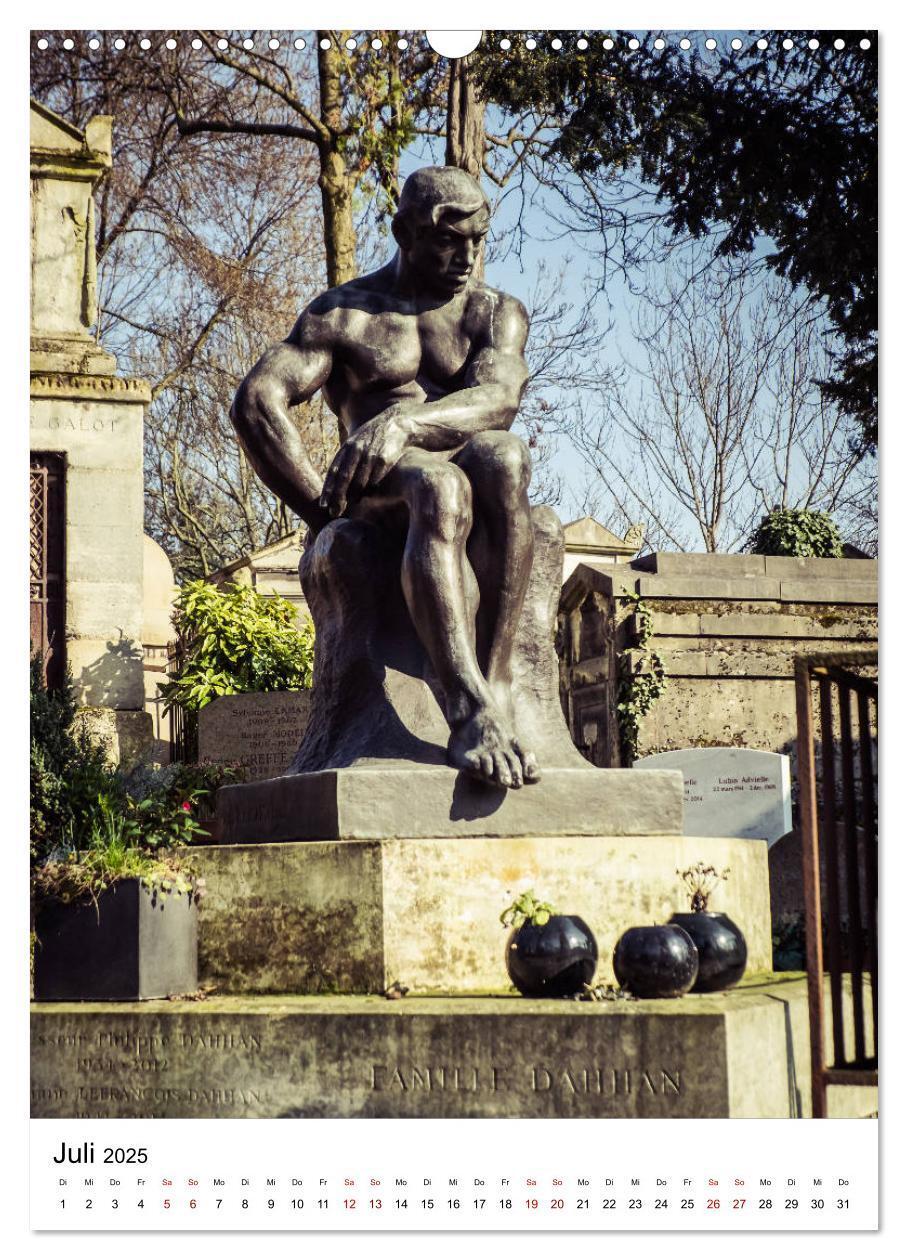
[(494, 382), (287, 374), (493, 385)]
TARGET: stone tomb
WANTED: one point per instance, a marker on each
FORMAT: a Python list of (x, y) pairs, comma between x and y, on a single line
[(290, 1057), (730, 791), (260, 730)]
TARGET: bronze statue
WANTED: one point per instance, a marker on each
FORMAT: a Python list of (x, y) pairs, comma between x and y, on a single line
[(423, 365)]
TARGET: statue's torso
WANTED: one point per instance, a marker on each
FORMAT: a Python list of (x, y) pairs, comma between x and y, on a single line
[(384, 351)]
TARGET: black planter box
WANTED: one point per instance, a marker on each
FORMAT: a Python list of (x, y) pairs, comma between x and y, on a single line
[(134, 944)]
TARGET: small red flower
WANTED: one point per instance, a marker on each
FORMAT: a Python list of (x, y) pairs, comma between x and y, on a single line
[(187, 807)]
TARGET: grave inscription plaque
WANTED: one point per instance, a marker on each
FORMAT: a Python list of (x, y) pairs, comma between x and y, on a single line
[(743, 792)]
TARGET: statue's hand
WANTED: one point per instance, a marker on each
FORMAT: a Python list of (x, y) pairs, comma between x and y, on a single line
[(363, 460)]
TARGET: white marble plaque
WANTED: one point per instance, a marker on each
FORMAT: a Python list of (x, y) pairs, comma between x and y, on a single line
[(742, 792)]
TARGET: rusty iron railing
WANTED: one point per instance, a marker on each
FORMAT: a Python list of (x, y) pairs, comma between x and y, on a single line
[(839, 867), (184, 725)]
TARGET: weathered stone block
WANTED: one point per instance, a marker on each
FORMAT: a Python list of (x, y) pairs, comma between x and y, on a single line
[(828, 624), (693, 563), (793, 567), (361, 914), (804, 591), (96, 433), (399, 799), (705, 586), (107, 672), (128, 734), (742, 1054), (113, 608)]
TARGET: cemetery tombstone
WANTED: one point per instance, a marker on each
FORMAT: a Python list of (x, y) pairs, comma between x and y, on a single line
[(260, 730), (743, 792)]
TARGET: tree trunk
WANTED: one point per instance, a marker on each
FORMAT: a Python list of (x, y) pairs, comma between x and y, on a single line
[(334, 180), (465, 144)]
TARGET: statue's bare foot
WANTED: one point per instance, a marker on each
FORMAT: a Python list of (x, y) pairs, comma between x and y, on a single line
[(503, 695), (484, 746)]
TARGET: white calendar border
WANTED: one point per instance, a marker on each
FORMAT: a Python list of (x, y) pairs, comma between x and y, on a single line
[(699, 16)]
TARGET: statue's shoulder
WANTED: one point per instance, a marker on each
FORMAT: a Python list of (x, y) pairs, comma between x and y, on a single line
[(364, 293), (491, 307)]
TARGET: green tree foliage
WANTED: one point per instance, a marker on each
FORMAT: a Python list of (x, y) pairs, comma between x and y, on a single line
[(237, 640), (740, 145), (796, 532)]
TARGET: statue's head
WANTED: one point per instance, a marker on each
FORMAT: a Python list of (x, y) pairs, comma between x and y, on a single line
[(441, 221)]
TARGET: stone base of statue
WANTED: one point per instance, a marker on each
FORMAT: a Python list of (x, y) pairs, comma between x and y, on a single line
[(744, 1054), (372, 763), (378, 802), (353, 916)]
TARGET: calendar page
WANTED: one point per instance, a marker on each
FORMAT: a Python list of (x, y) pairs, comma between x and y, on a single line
[(453, 527)]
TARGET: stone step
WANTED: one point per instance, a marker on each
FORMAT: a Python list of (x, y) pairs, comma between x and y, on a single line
[(354, 916), (744, 1053)]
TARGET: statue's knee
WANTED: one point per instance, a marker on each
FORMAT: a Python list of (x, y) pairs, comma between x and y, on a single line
[(505, 459), (443, 500)]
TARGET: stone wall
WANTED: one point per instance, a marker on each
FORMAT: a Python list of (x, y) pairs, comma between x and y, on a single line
[(727, 629)]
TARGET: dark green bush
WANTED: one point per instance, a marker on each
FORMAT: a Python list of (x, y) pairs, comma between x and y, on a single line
[(796, 532)]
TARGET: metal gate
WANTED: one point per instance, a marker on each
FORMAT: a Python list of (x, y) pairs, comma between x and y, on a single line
[(839, 853), (46, 533)]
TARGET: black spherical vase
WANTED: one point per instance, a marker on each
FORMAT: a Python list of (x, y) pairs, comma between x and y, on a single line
[(656, 962), (721, 946), (554, 960)]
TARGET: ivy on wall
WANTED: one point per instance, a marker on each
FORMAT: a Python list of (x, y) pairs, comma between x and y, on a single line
[(640, 680)]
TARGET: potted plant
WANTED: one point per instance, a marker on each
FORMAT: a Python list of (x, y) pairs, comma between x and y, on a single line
[(720, 942), (114, 922), (114, 900), (547, 954)]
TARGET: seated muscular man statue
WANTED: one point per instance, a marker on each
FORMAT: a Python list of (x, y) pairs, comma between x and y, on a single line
[(423, 365)]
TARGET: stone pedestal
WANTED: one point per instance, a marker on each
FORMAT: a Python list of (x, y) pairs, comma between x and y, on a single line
[(742, 1054), (377, 802), (354, 916)]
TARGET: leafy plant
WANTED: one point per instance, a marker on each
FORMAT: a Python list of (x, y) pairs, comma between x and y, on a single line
[(701, 882), (69, 776), (527, 909), (796, 532), (84, 875), (640, 683), (237, 640), (93, 824)]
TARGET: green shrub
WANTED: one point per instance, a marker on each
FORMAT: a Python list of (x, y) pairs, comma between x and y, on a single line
[(796, 532), (236, 641), (92, 823), (70, 777)]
